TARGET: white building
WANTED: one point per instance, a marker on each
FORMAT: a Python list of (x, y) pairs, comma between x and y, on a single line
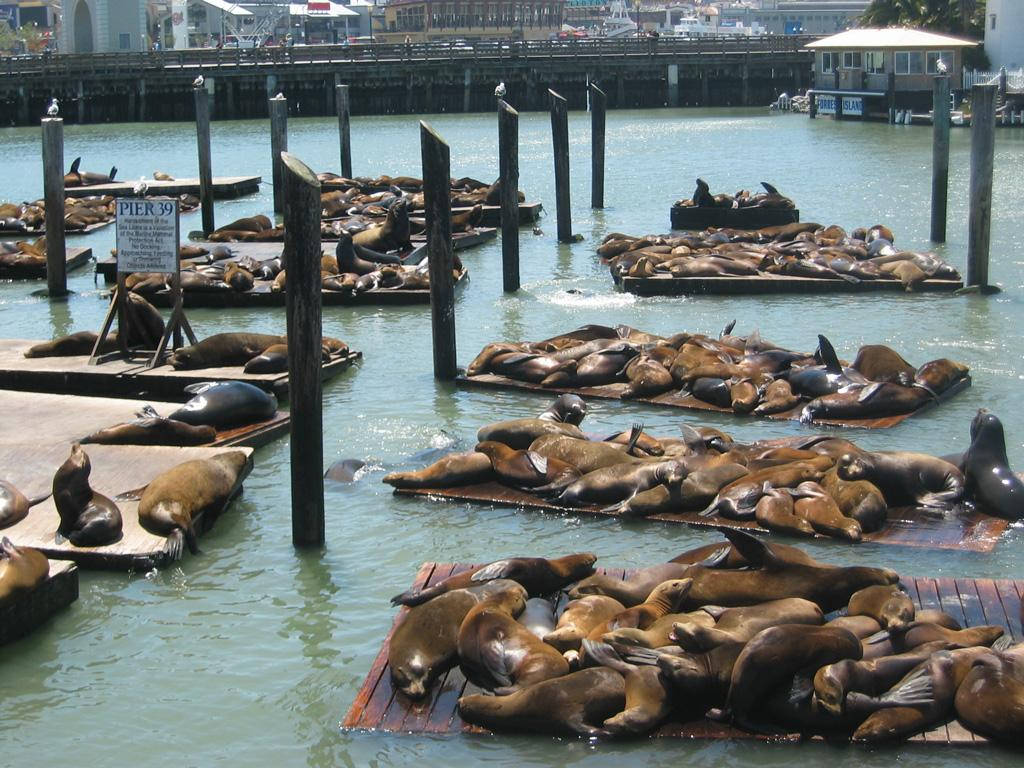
[(1004, 33)]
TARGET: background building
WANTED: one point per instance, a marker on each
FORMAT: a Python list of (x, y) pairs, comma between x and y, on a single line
[(427, 20), (795, 17), (1004, 33)]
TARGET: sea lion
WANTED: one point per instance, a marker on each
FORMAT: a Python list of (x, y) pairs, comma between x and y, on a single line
[(920, 632), (538, 575), (161, 176), (738, 499), (778, 397), (988, 479), (224, 349), (990, 700), (579, 618), (22, 569), (905, 478), (858, 499), (452, 470), (526, 469), (647, 705), (663, 600), (815, 505), (14, 505), (774, 512), (273, 359), (659, 633), (937, 376), (152, 430), (498, 653), (247, 224), (538, 616), (890, 606), (881, 363), (423, 645), (872, 401), (521, 433), (173, 499), (576, 704), (698, 680), (392, 235), (567, 408), (632, 591), (225, 404), (344, 470), (241, 280), (610, 485), (585, 455), (77, 178), (87, 518), (738, 625)]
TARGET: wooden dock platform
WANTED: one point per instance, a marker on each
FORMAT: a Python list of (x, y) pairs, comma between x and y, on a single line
[(675, 400), (224, 187), (68, 418), (962, 529), (22, 234), (130, 378), (116, 469), (666, 285), (696, 218), (74, 258), (379, 707), (25, 613)]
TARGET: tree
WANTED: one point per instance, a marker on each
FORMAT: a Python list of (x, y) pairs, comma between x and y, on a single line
[(8, 39), (958, 17)]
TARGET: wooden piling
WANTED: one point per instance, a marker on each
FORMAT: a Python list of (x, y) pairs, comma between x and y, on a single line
[(53, 193), (508, 171), (598, 106), (890, 96), (301, 195), (437, 202), (202, 98), (560, 143), (278, 107), (344, 133), (983, 132), (940, 157)]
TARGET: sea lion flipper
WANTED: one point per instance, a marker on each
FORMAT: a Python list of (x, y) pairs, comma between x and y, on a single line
[(753, 549), (113, 172), (538, 462), (728, 328), (74, 165), (1003, 643), (715, 559), (496, 570), (753, 341), (878, 637), (917, 690), (605, 655), (868, 392), (147, 412), (133, 495), (634, 434), (800, 690), (39, 499), (829, 358), (495, 660), (770, 189), (693, 440)]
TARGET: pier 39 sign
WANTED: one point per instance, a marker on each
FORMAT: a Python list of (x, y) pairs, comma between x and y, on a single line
[(147, 234), (852, 105)]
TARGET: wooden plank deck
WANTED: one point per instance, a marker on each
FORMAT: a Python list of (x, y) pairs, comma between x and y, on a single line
[(25, 613), (74, 258), (22, 234), (696, 218), (223, 187), (55, 418), (666, 285), (676, 400), (130, 378), (115, 469), (907, 527), (379, 707)]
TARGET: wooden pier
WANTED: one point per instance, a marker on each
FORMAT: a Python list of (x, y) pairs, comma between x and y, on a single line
[(68, 418), (666, 285), (379, 707), (224, 188), (24, 233), (76, 257), (116, 469), (698, 218), (28, 611), (676, 400), (130, 378)]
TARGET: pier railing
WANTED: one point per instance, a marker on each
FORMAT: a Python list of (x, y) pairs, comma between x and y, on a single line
[(100, 64)]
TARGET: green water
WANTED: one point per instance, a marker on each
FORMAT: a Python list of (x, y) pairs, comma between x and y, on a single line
[(250, 653)]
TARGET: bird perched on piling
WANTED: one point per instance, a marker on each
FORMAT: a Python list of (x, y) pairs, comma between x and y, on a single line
[(198, 82), (500, 90), (54, 109), (141, 187), (940, 65), (280, 95)]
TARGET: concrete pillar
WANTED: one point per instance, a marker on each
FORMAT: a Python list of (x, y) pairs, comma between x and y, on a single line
[(673, 85)]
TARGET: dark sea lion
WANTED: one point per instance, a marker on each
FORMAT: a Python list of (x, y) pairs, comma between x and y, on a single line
[(79, 343), (578, 703), (632, 591), (774, 512), (344, 470), (87, 518), (890, 606), (858, 499), (568, 409), (726, 555), (738, 625), (905, 478), (152, 430), (538, 575), (872, 401), (519, 434), (526, 469), (579, 618), (648, 703), (921, 632), (224, 349), (610, 485), (818, 508), (585, 455), (862, 626), (274, 359), (14, 505), (988, 479), (424, 644), (247, 224), (392, 235), (738, 499), (224, 404), (698, 680), (346, 259), (173, 499), (881, 363), (990, 700), (538, 616), (22, 569), (452, 470), (498, 653)]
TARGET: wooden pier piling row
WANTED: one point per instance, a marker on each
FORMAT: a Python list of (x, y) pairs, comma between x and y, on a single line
[(55, 418), (74, 258), (29, 610), (53, 193), (378, 706), (116, 469), (130, 378), (221, 187)]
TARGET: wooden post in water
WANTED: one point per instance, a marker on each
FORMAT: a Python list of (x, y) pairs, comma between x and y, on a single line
[(53, 193), (202, 98), (301, 194), (598, 105), (940, 157), (560, 143), (437, 202), (508, 172), (979, 220), (344, 135), (890, 96), (278, 106)]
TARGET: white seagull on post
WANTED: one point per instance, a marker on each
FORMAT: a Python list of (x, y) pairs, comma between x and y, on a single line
[(141, 187), (54, 109), (500, 90), (940, 65), (198, 82), (280, 95)]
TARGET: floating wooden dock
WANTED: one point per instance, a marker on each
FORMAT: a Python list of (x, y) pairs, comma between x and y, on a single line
[(962, 529), (130, 378), (53, 418), (74, 258), (22, 234), (28, 611), (698, 218), (224, 187), (675, 400), (378, 706), (116, 469), (769, 283)]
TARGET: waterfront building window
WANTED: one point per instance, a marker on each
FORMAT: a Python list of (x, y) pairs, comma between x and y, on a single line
[(992, 19), (125, 41), (829, 60), (874, 62), (851, 59), (909, 62), (934, 57)]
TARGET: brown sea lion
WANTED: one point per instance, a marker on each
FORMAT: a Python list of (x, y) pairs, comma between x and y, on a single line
[(648, 703), (392, 235), (14, 505), (224, 349), (22, 569), (538, 575), (520, 434), (241, 280), (818, 508), (663, 600), (526, 469), (881, 363), (274, 359), (585, 455), (890, 606), (577, 703), (173, 499), (247, 224), (632, 591), (990, 700), (579, 618), (920, 632), (738, 499), (939, 375), (858, 499), (87, 518), (452, 470), (905, 478), (611, 485), (658, 634), (774, 512), (538, 616), (152, 430), (738, 625), (873, 401), (778, 397)]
